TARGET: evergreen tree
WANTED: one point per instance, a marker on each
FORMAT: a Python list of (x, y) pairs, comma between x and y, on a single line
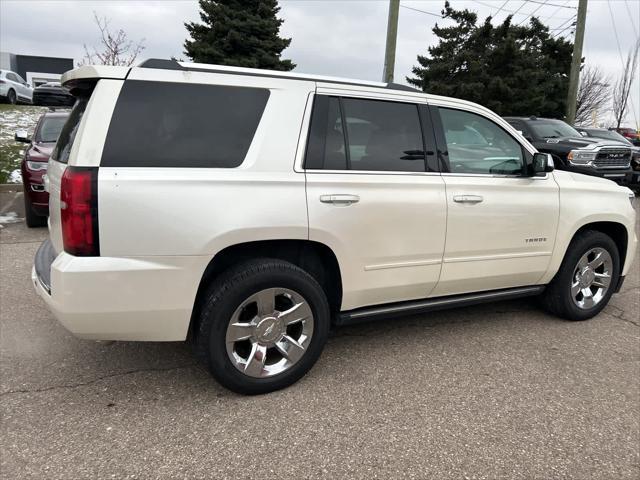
[(243, 33), (513, 70)]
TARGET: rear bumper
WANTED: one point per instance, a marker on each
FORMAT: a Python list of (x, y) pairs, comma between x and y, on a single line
[(109, 298)]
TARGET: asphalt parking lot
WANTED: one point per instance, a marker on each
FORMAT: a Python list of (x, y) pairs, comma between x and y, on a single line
[(495, 391)]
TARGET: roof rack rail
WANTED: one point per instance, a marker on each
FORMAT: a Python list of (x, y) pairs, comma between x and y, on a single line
[(400, 86), (173, 64)]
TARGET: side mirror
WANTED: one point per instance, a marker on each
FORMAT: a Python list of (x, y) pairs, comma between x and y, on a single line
[(584, 134), (542, 163), (22, 136)]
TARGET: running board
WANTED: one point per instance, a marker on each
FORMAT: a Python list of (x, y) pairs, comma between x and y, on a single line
[(413, 307)]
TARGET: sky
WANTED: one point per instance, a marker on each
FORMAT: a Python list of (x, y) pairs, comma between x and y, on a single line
[(329, 37)]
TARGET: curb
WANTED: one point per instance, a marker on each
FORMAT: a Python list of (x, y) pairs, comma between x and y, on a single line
[(10, 187)]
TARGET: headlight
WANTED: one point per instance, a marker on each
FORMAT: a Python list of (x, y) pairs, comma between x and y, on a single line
[(577, 157), (37, 166)]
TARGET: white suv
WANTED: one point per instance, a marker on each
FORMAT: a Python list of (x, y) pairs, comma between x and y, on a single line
[(14, 89), (249, 210)]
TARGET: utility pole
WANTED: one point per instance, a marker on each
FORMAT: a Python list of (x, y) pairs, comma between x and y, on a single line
[(576, 62), (392, 35)]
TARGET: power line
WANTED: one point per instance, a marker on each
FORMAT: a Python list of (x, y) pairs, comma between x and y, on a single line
[(422, 11), (506, 1), (552, 4), (560, 27), (566, 28), (556, 11), (513, 12), (520, 7), (529, 16)]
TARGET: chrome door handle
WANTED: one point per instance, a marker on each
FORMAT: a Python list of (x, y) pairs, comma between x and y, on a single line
[(338, 199), (468, 198)]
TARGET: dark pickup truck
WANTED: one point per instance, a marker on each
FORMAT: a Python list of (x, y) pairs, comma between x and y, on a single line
[(571, 151)]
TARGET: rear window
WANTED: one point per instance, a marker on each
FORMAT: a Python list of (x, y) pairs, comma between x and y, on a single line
[(49, 129), (68, 134), (158, 124)]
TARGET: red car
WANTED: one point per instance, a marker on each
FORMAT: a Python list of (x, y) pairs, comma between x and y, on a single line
[(34, 165), (630, 134)]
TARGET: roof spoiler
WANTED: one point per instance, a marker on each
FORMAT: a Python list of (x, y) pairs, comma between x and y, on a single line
[(93, 72)]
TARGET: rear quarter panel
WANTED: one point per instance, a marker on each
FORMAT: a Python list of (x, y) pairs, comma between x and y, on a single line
[(147, 211)]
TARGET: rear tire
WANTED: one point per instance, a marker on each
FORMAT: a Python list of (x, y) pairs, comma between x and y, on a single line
[(32, 219), (285, 333), (11, 97), (587, 278)]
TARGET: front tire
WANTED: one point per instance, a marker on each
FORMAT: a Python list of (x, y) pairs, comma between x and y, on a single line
[(12, 99), (262, 326), (587, 277)]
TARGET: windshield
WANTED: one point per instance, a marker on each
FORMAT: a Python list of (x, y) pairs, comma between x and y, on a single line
[(609, 135), (553, 129), (50, 129)]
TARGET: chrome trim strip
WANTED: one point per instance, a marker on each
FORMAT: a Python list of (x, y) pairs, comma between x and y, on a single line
[(371, 172), (417, 263), (46, 287), (496, 257)]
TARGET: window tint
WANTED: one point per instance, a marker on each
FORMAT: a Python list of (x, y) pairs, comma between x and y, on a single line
[(381, 135), (12, 77), (68, 134), (158, 124), (477, 145)]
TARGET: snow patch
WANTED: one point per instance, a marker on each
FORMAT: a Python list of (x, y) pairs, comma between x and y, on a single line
[(9, 217)]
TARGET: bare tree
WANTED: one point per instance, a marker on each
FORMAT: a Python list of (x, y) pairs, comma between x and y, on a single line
[(624, 84), (594, 94), (115, 47)]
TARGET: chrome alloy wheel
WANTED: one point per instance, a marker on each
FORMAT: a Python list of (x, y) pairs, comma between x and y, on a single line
[(269, 332), (591, 278)]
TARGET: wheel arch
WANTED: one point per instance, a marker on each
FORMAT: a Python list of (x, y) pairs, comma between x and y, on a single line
[(315, 258), (615, 230)]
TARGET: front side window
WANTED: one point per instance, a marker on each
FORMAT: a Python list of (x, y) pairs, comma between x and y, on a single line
[(365, 135), (12, 76), (476, 145), (162, 124)]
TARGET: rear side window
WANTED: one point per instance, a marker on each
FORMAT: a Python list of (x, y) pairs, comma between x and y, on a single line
[(68, 134), (365, 135), (158, 124)]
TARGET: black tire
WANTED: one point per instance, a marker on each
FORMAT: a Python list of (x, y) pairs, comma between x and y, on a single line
[(11, 97), (32, 219), (227, 293), (557, 298)]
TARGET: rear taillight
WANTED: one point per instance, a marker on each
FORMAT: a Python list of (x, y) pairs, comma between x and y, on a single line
[(79, 211)]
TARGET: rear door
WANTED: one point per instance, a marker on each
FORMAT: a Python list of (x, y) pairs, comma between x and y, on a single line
[(501, 224), (374, 194)]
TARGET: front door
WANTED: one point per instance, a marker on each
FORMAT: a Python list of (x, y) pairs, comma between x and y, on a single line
[(501, 225)]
